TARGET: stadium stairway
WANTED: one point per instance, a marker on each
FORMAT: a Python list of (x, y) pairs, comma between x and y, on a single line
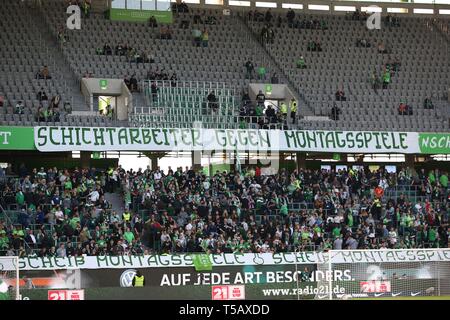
[(274, 66), (62, 65)]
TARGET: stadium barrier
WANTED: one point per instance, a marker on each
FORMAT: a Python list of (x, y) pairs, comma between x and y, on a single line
[(342, 274)]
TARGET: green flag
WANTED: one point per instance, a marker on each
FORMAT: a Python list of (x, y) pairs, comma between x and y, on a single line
[(202, 262)]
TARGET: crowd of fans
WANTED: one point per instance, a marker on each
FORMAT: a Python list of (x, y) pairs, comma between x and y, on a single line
[(64, 212)]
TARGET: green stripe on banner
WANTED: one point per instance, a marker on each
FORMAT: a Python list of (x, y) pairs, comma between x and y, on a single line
[(17, 138), (434, 143), (202, 262)]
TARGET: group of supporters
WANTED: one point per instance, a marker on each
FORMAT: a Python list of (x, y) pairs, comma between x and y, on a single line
[(268, 116), (60, 212)]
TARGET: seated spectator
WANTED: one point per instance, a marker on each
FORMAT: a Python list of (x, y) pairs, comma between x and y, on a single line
[(137, 57), (386, 78), (402, 108), (130, 53), (119, 50), (67, 107), (19, 108), (274, 78), (205, 38), (44, 73), (382, 48), (340, 95), (99, 51), (323, 25), (152, 22), (197, 35), (301, 63), (335, 111), (212, 101), (2, 101), (54, 102), (165, 32), (362, 43), (428, 104), (107, 49), (41, 95), (211, 20)]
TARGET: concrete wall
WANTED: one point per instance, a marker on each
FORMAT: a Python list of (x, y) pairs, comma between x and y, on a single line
[(279, 91), (116, 87)]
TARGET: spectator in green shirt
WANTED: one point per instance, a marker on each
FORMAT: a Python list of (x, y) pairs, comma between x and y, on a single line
[(258, 110), (443, 180), (301, 63), (432, 237), (20, 198), (68, 185), (386, 78), (128, 235), (261, 73)]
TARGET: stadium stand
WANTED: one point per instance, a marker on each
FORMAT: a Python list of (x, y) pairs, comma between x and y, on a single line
[(423, 72), (185, 211), (232, 41)]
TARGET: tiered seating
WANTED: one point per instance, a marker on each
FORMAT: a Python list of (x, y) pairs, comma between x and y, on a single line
[(223, 60), (424, 71), (23, 54), (24, 51)]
